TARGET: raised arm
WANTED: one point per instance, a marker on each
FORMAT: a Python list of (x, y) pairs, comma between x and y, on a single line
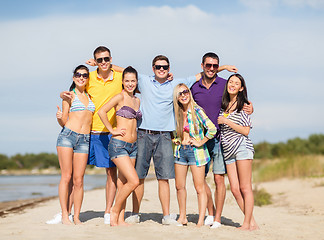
[(113, 102), (230, 68), (62, 116)]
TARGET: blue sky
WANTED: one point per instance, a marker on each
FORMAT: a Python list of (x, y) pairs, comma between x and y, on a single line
[(276, 45)]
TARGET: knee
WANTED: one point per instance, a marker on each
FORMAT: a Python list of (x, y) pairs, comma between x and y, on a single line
[(134, 183), (219, 180), (66, 178), (180, 187), (200, 189), (236, 191), (246, 189), (78, 183)]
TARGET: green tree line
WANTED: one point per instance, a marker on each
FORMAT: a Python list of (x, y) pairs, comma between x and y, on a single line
[(314, 145), (264, 150), (29, 161)]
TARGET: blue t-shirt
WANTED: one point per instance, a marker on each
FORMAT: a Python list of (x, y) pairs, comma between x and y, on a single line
[(157, 102)]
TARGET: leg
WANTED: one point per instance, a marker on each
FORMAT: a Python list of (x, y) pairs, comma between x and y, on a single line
[(220, 193), (164, 196), (65, 156), (111, 186), (79, 166), (244, 168), (210, 204), (180, 181), (126, 167), (138, 196), (198, 175)]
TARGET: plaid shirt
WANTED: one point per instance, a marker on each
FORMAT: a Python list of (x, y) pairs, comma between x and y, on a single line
[(201, 153)]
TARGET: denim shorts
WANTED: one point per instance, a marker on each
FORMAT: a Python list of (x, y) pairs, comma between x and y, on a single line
[(242, 153), (158, 146), (98, 153), (79, 142), (216, 154), (118, 148), (187, 156)]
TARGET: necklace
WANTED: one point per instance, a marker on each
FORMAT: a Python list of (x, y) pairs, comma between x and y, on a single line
[(228, 109)]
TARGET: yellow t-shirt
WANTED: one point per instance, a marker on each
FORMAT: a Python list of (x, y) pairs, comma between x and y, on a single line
[(100, 93)]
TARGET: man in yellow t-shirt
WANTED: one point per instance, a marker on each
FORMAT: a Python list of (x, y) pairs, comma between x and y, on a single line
[(104, 83)]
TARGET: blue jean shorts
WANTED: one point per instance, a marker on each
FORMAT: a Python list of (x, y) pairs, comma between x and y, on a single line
[(159, 146), (216, 154), (242, 153), (79, 142), (187, 156), (98, 153), (118, 148)]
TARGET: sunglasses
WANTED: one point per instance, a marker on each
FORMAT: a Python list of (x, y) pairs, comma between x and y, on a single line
[(84, 75), (209, 65), (158, 67), (184, 92), (100, 60)]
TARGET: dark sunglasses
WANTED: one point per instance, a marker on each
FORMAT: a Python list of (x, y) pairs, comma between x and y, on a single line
[(100, 60), (84, 75), (184, 92), (209, 65), (158, 67)]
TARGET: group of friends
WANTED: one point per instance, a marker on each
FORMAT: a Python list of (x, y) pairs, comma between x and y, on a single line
[(191, 122)]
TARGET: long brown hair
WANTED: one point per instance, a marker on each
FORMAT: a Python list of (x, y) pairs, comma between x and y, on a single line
[(178, 110)]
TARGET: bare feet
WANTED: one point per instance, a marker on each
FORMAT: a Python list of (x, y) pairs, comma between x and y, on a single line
[(244, 227), (123, 224), (113, 218), (77, 221), (183, 221), (254, 227), (199, 224), (66, 221)]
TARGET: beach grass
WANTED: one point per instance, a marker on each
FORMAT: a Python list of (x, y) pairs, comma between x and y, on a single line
[(288, 167)]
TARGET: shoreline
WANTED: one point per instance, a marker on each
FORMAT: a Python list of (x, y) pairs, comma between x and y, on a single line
[(296, 213)]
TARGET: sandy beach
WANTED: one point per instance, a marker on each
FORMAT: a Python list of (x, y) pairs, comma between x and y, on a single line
[(297, 212)]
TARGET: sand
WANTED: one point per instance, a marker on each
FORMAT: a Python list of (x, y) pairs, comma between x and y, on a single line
[(297, 212)]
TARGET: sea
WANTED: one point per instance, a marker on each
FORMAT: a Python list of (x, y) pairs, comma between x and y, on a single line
[(36, 186)]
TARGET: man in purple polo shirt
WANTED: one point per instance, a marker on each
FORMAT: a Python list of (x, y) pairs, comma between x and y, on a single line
[(207, 93)]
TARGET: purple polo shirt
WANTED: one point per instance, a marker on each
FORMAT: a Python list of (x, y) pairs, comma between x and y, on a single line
[(210, 99)]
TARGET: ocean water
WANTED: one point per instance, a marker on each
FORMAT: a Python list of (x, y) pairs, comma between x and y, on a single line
[(36, 186)]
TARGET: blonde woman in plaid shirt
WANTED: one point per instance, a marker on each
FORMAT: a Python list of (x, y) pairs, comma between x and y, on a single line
[(190, 149)]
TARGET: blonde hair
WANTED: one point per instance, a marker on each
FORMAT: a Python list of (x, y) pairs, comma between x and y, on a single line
[(178, 110)]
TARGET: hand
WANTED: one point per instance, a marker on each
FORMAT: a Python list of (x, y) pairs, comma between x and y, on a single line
[(221, 120), (248, 108), (119, 132), (194, 142), (170, 77), (59, 113), (66, 95), (176, 141), (91, 62), (231, 68)]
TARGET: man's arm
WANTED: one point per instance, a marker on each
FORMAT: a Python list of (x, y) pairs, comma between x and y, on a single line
[(230, 68)]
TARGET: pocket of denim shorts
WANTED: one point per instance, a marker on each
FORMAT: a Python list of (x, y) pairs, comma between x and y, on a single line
[(66, 132)]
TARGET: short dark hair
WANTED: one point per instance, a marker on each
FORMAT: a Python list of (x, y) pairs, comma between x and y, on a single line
[(100, 49), (210, 55), (160, 57), (75, 71)]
